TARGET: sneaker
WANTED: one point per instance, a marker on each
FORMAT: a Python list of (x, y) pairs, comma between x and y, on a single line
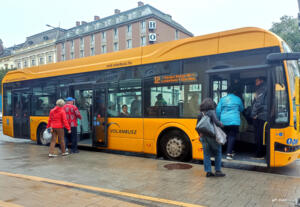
[(65, 153), (219, 174), (52, 155), (229, 156), (209, 174)]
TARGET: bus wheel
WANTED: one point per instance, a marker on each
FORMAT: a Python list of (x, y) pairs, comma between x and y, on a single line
[(175, 146), (39, 137)]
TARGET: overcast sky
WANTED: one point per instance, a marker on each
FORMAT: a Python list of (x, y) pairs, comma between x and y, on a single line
[(20, 19)]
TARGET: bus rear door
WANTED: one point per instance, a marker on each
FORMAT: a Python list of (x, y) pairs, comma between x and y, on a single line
[(21, 109), (99, 117)]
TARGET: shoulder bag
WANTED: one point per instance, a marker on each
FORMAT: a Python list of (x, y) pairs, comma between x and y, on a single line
[(205, 126)]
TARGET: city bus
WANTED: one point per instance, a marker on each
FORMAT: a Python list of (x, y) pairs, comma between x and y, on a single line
[(162, 86)]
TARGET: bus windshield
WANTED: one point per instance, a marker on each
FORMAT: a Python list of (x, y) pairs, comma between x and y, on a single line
[(293, 71)]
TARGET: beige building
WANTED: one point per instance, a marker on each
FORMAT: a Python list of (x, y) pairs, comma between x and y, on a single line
[(137, 27), (38, 49)]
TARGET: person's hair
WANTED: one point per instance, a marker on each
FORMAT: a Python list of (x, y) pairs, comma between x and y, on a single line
[(60, 102), (233, 89), (124, 106), (207, 104)]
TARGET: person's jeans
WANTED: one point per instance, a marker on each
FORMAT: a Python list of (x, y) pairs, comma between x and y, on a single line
[(71, 137), (231, 132), (211, 147)]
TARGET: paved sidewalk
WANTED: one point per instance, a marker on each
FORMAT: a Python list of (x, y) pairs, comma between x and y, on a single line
[(135, 175)]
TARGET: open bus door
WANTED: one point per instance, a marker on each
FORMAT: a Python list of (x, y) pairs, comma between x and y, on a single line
[(99, 117), (243, 78), (21, 112)]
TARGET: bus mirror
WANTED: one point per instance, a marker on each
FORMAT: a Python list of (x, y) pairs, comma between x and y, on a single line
[(276, 57)]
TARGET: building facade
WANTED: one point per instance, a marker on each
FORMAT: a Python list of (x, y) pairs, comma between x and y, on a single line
[(137, 27), (38, 49)]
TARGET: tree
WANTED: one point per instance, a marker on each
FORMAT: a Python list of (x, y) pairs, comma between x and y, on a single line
[(288, 30), (2, 74)]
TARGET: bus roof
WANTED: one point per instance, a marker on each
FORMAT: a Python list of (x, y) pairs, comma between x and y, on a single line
[(210, 44)]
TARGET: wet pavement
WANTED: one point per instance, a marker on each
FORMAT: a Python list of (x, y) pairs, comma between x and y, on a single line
[(29, 178)]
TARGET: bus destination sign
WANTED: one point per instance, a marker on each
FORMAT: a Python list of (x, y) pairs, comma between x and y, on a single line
[(187, 77)]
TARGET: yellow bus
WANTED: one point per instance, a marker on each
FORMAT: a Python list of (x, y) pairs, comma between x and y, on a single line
[(162, 86)]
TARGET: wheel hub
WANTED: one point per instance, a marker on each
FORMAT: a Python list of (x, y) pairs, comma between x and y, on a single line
[(174, 147)]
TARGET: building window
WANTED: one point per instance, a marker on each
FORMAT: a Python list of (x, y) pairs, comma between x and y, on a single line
[(176, 34), (50, 59), (103, 36), (143, 40), (103, 48), (72, 55), (92, 39), (143, 26), (72, 44), (33, 62), (6, 66), (116, 32), (129, 28), (25, 64), (129, 44), (41, 61), (19, 65), (62, 46), (92, 51), (81, 53), (81, 43), (11, 66), (62, 57), (116, 46)]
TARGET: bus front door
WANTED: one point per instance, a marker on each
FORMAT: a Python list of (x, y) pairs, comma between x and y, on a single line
[(99, 118), (21, 109)]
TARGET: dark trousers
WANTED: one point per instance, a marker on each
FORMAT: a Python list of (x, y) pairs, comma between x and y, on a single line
[(259, 134), (71, 138), (231, 132)]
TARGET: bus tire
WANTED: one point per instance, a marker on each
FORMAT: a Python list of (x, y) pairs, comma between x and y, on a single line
[(39, 137), (175, 146)]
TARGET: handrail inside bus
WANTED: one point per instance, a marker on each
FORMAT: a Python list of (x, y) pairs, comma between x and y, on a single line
[(252, 67), (275, 57)]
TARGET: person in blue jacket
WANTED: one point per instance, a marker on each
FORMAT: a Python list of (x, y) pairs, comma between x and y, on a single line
[(228, 111)]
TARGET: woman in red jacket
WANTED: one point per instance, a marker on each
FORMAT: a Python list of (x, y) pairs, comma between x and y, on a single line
[(57, 121)]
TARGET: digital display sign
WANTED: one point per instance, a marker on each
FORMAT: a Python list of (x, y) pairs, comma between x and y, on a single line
[(187, 77)]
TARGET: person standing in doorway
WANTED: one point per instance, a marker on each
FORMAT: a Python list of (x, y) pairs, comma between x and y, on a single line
[(57, 121), (228, 110), (210, 145), (73, 114), (259, 114)]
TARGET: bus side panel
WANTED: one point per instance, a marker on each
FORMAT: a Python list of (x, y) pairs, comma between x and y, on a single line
[(125, 134), (281, 136), (8, 126), (153, 128), (35, 121)]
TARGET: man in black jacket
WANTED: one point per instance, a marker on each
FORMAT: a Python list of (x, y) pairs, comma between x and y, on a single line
[(259, 115)]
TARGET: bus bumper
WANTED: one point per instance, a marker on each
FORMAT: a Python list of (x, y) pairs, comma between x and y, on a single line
[(285, 158)]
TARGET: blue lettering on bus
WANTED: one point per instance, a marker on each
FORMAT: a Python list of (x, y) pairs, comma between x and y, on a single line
[(289, 141)]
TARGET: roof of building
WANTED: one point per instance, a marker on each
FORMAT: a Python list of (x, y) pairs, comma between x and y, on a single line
[(43, 36), (125, 17)]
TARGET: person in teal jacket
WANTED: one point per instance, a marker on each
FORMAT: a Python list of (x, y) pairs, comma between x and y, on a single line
[(228, 111)]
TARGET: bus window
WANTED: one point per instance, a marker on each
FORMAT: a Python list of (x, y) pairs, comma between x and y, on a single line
[(7, 106), (219, 89), (128, 94), (43, 100), (281, 97)]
